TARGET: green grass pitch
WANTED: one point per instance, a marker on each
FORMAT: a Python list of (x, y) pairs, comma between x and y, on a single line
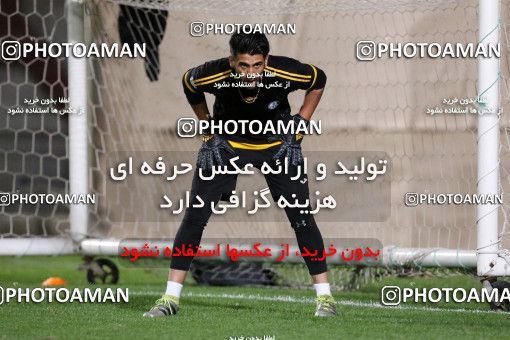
[(224, 312)]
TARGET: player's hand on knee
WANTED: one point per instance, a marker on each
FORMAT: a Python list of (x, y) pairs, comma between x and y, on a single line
[(291, 149), (210, 152), (291, 143)]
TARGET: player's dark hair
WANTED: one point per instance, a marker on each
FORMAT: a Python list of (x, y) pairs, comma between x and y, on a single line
[(252, 44)]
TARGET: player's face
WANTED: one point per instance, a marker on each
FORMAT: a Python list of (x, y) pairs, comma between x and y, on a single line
[(251, 66)]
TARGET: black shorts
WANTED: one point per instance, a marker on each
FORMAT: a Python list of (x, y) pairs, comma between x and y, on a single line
[(280, 184)]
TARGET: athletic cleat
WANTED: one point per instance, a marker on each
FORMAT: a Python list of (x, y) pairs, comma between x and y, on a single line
[(326, 306), (165, 306)]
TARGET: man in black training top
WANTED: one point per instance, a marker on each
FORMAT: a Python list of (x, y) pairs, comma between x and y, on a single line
[(250, 60)]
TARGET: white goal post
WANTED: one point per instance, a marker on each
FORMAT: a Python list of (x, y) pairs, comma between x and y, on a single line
[(492, 260)]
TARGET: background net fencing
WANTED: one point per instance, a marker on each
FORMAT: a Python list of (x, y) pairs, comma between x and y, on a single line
[(134, 104), (373, 106), (33, 147)]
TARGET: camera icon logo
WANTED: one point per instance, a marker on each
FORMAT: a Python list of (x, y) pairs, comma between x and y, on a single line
[(365, 50), (5, 199), (411, 199), (11, 50), (197, 29), (186, 127), (390, 295)]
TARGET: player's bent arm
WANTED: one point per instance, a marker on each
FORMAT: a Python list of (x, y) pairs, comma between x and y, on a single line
[(200, 79), (193, 94), (195, 97), (301, 76), (201, 110), (313, 93), (310, 103)]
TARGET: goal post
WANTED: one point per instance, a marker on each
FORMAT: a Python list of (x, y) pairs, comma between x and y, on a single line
[(78, 124), (490, 260)]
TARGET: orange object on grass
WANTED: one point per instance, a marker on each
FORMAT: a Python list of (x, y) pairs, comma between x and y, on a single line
[(54, 281)]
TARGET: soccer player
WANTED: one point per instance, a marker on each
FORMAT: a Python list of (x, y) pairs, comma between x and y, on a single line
[(251, 65)]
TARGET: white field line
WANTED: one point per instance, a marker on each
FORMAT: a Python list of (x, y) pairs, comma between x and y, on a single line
[(291, 299)]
